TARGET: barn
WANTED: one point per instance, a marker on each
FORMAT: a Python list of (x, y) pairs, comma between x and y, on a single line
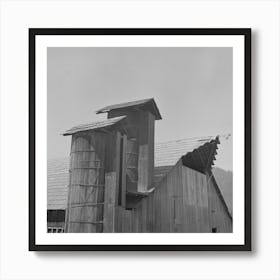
[(118, 180)]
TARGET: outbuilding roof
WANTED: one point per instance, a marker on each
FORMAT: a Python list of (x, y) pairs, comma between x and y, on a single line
[(58, 177), (145, 104), (94, 125), (166, 155)]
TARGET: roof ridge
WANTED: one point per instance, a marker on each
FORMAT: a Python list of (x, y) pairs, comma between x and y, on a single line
[(189, 138), (121, 103), (132, 104)]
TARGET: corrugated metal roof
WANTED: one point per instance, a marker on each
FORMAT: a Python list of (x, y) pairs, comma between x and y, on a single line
[(94, 125), (132, 104), (166, 155)]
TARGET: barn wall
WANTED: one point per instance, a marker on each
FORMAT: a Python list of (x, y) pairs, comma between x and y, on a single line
[(155, 212), (160, 211), (195, 201), (183, 202), (218, 215), (178, 204)]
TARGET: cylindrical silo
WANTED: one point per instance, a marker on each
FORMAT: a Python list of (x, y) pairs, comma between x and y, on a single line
[(86, 183)]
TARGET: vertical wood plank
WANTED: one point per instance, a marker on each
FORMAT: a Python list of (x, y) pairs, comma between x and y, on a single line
[(146, 152), (110, 202), (123, 183)]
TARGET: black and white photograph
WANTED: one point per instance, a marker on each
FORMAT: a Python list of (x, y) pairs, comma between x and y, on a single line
[(141, 138), (148, 163)]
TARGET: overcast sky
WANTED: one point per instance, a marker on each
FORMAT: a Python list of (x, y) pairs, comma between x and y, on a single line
[(191, 86)]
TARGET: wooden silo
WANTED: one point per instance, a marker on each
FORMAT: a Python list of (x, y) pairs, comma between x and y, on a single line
[(86, 186), (85, 206)]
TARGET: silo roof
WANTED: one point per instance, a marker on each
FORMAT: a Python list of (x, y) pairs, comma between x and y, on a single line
[(94, 125), (149, 104)]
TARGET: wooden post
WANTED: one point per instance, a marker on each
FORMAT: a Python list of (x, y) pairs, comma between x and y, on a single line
[(110, 202), (123, 171), (112, 178)]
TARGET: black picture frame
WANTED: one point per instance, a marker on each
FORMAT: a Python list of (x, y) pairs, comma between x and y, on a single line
[(246, 32)]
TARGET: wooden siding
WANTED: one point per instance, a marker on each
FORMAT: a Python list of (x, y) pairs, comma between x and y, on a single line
[(219, 216), (115, 181), (146, 151), (178, 204), (140, 126), (195, 201), (182, 202), (132, 164), (110, 204)]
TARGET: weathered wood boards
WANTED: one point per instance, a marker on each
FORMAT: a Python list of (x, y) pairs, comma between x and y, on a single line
[(113, 180), (112, 171), (184, 201), (86, 186), (140, 126), (218, 216), (146, 151), (110, 202), (195, 201), (132, 164)]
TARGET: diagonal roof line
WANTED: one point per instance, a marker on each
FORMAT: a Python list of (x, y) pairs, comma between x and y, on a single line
[(168, 153), (94, 125)]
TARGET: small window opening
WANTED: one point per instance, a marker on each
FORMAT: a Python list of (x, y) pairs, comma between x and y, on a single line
[(55, 230)]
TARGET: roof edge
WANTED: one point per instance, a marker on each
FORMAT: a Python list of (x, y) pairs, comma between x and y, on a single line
[(119, 106), (212, 177), (90, 126), (194, 159)]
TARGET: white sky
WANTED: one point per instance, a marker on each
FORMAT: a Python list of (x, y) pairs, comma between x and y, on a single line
[(191, 86)]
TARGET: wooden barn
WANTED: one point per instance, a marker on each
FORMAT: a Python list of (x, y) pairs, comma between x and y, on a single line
[(120, 181)]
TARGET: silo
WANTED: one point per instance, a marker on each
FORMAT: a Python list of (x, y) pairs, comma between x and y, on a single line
[(86, 183)]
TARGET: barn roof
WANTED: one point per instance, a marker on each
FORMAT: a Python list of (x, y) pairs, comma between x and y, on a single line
[(191, 150), (166, 156), (58, 177), (146, 104), (168, 153), (94, 125)]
